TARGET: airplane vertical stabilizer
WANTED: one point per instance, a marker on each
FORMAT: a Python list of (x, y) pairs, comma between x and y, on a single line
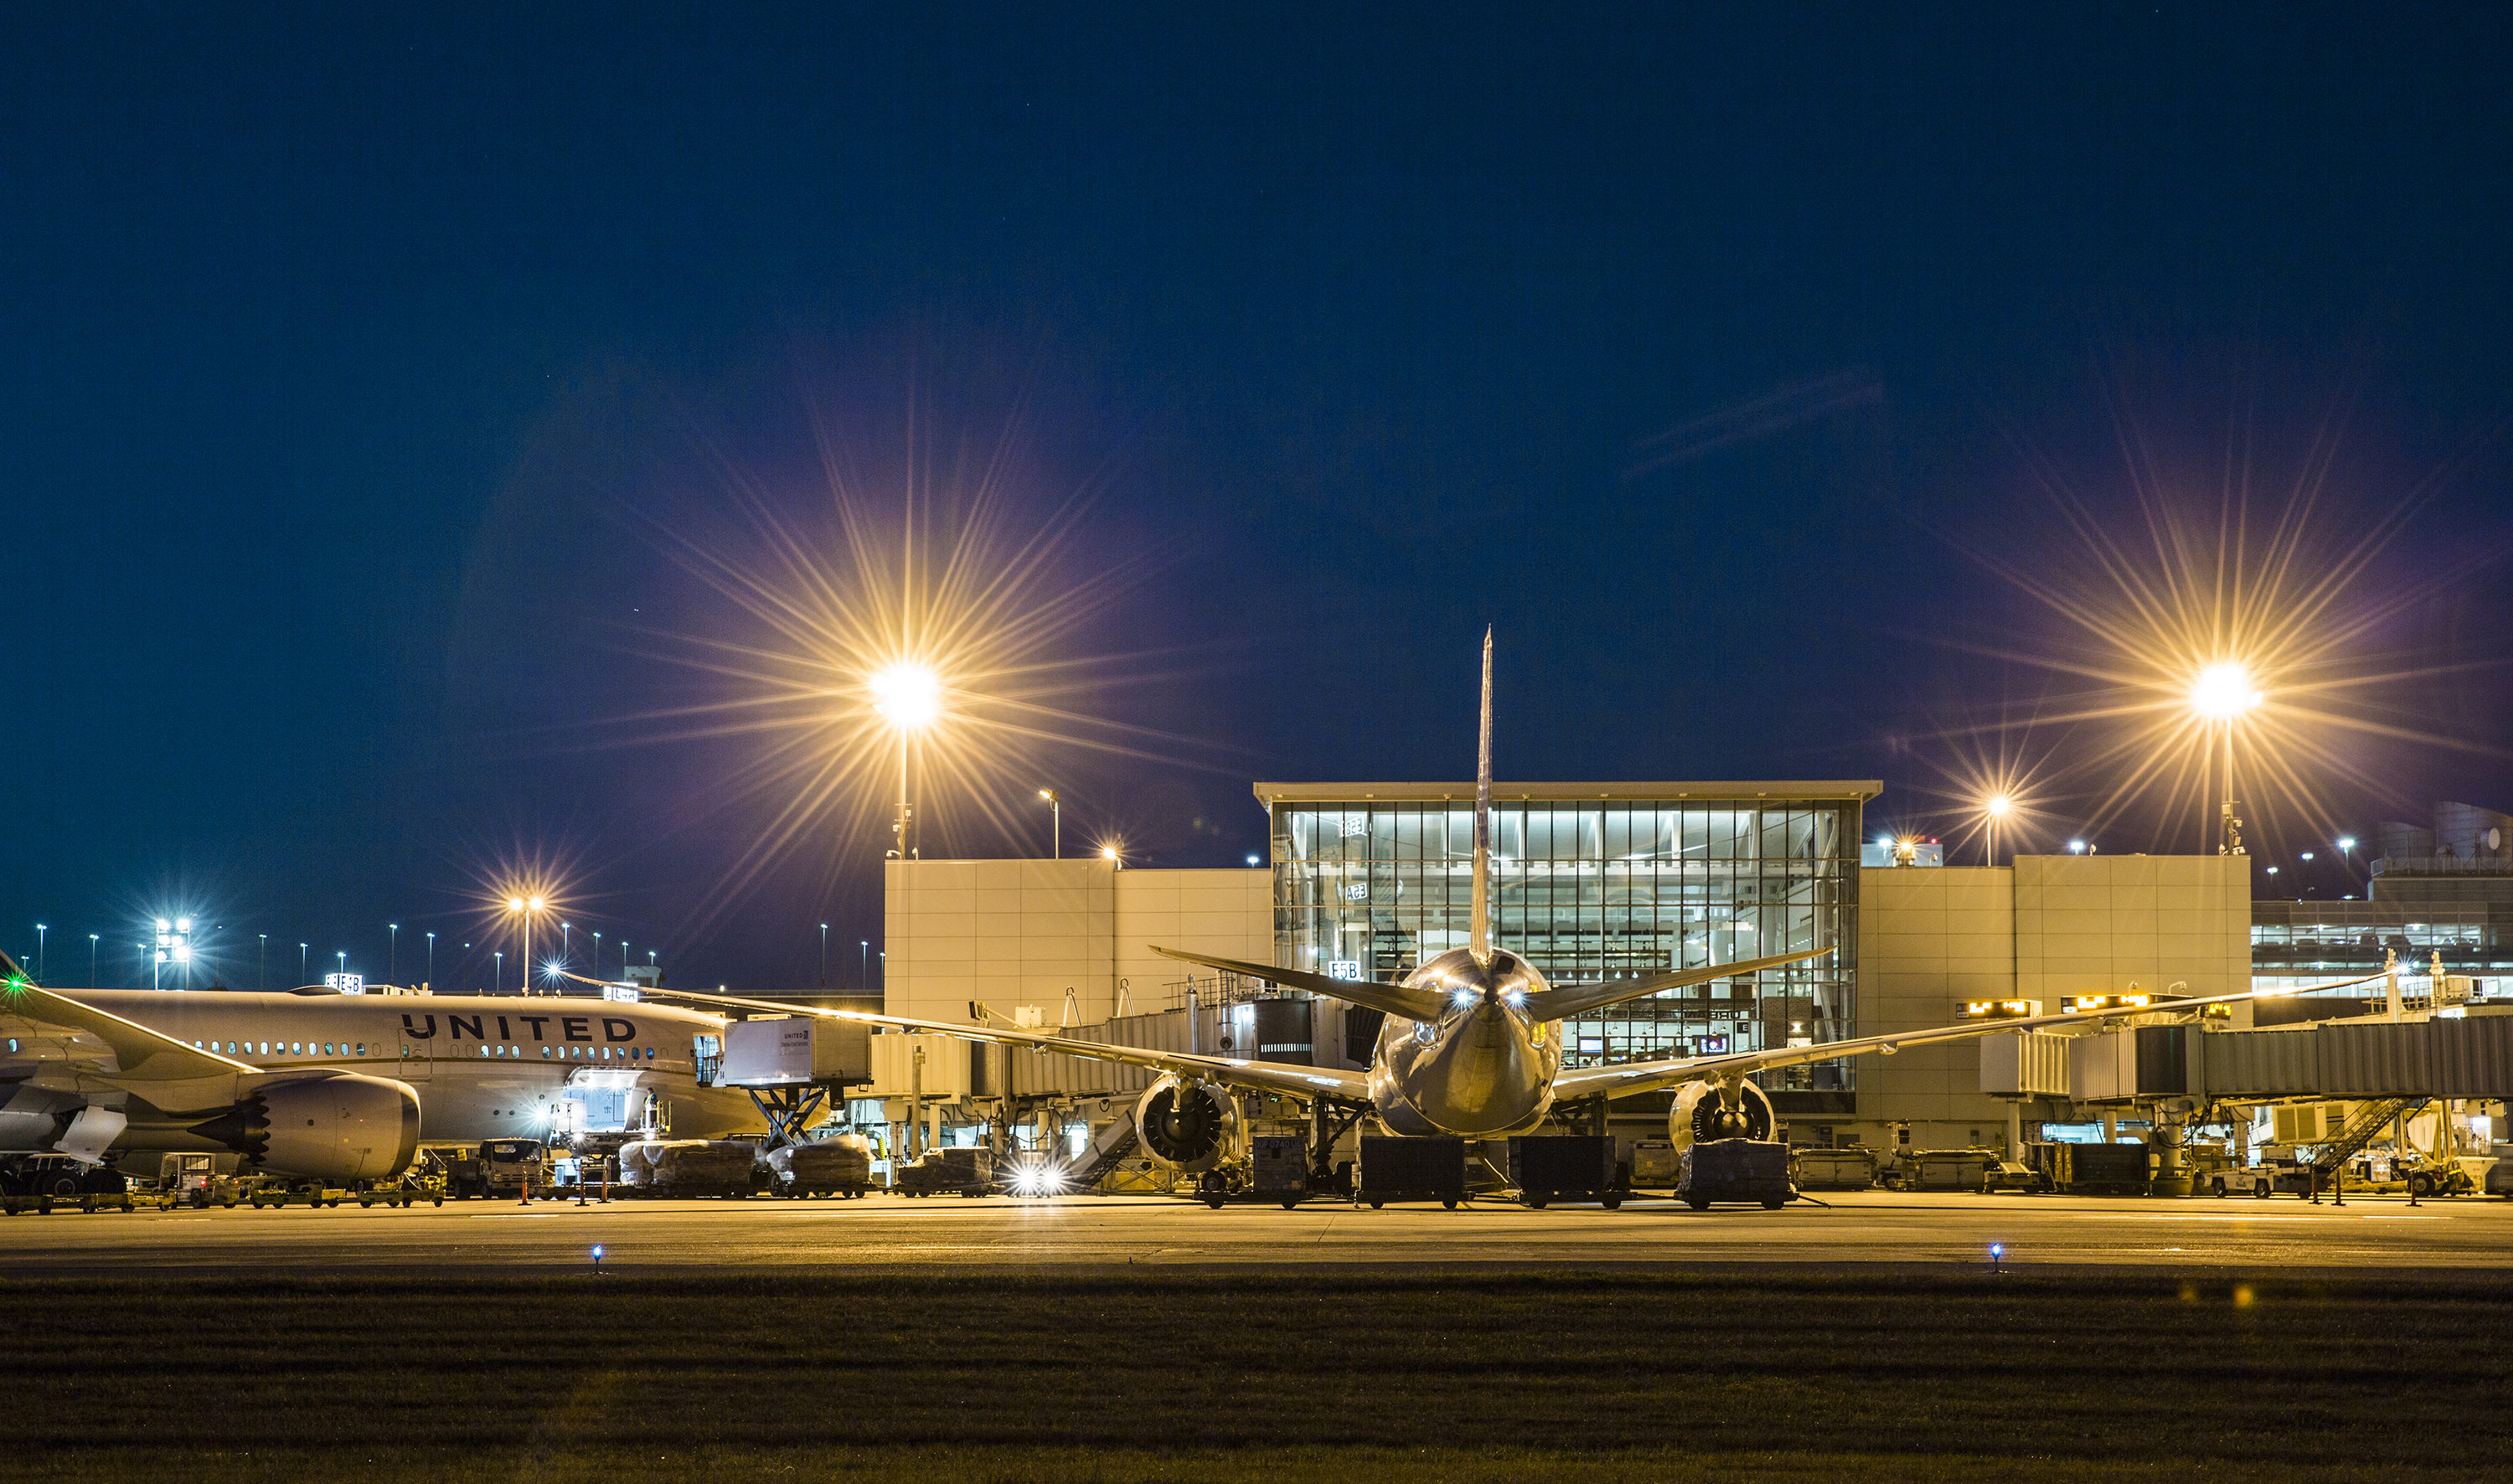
[(1479, 931)]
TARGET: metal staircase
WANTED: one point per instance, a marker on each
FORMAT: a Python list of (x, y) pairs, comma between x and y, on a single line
[(1114, 1143), (2369, 1121)]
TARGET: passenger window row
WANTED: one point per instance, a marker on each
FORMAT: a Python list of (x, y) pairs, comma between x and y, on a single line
[(570, 1053), (290, 1049)]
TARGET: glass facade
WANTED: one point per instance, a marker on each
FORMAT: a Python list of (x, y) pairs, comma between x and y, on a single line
[(2300, 943), (1591, 891)]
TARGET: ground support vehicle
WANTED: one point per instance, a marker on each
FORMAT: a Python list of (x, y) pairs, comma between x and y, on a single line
[(960, 1170), (87, 1201), (271, 1195), (1276, 1172), (2500, 1175), (1938, 1169), (1735, 1171), (2011, 1175), (419, 1183), (1850, 1168), (201, 1181)]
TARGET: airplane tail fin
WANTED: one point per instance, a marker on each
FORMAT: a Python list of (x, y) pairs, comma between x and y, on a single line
[(1479, 929)]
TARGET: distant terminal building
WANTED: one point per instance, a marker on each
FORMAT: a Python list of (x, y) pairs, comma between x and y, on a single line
[(2442, 888)]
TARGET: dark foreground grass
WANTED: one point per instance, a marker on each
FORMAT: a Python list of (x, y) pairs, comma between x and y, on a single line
[(1282, 1378)]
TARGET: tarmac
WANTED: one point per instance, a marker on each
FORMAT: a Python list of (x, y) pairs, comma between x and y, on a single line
[(883, 1232)]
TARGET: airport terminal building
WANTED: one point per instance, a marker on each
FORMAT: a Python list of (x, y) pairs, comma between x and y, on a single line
[(1592, 880)]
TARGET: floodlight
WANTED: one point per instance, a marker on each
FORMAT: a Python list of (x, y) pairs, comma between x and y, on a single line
[(911, 697), (2222, 692)]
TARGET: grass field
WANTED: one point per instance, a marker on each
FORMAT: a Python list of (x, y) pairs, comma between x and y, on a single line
[(1282, 1378)]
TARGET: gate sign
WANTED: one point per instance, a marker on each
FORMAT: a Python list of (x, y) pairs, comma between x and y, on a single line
[(346, 984), (1344, 968)]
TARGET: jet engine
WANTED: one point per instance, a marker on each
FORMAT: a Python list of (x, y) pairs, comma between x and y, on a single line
[(1700, 1117), (1189, 1126), (338, 1127)]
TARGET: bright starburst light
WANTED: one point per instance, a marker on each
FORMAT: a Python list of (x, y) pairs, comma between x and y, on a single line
[(933, 619), (2232, 611)]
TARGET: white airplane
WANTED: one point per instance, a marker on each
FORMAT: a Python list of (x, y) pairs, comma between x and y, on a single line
[(1473, 1043), (339, 1088)]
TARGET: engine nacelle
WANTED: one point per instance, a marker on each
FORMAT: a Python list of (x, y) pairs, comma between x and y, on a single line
[(338, 1127), (1190, 1127), (1700, 1117)]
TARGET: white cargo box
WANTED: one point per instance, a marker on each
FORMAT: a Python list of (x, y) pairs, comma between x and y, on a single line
[(2024, 1063), (799, 1049)]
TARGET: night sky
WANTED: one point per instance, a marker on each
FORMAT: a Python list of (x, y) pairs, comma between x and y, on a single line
[(368, 378)]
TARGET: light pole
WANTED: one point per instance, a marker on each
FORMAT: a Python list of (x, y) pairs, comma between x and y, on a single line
[(1996, 808), (262, 974), (2307, 873), (431, 958), (498, 973), (153, 964), (597, 956), (392, 955), (863, 966), (650, 957), (2346, 845), (824, 958), (2221, 694), (566, 943), (624, 960), (343, 955), (90, 960), (527, 906), (910, 701), (301, 963), (40, 930), (1056, 817)]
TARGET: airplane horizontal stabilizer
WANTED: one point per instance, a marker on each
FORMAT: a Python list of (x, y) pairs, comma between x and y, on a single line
[(1574, 998), (1394, 998)]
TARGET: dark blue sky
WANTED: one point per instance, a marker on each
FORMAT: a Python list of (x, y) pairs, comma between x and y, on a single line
[(341, 358)]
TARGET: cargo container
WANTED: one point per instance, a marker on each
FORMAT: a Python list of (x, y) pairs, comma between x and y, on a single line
[(1735, 1170), (1549, 1166), (1397, 1168)]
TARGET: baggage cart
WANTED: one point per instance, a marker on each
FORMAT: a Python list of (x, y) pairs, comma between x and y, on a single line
[(1735, 1171)]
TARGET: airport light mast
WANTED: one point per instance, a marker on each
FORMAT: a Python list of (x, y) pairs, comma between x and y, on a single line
[(910, 700), (527, 906), (2221, 694)]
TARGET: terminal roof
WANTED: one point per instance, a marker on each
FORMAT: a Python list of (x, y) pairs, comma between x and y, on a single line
[(1860, 788)]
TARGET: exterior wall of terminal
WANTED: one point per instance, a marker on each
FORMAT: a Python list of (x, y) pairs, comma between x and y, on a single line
[(2044, 929), (1014, 933)]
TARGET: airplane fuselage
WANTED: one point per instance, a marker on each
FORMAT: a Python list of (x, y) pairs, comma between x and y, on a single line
[(1484, 1068), (484, 1067)]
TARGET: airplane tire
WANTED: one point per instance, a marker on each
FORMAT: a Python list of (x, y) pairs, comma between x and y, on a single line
[(1697, 1202), (1448, 1205), (1375, 1205), (1536, 1202)]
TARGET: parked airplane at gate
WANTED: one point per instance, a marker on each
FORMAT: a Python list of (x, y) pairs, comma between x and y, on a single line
[(1472, 1043), (340, 1088)]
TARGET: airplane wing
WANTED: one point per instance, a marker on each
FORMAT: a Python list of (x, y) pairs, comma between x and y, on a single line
[(1235, 1071), (94, 1038), (1649, 1077), (1394, 998), (1571, 999)]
